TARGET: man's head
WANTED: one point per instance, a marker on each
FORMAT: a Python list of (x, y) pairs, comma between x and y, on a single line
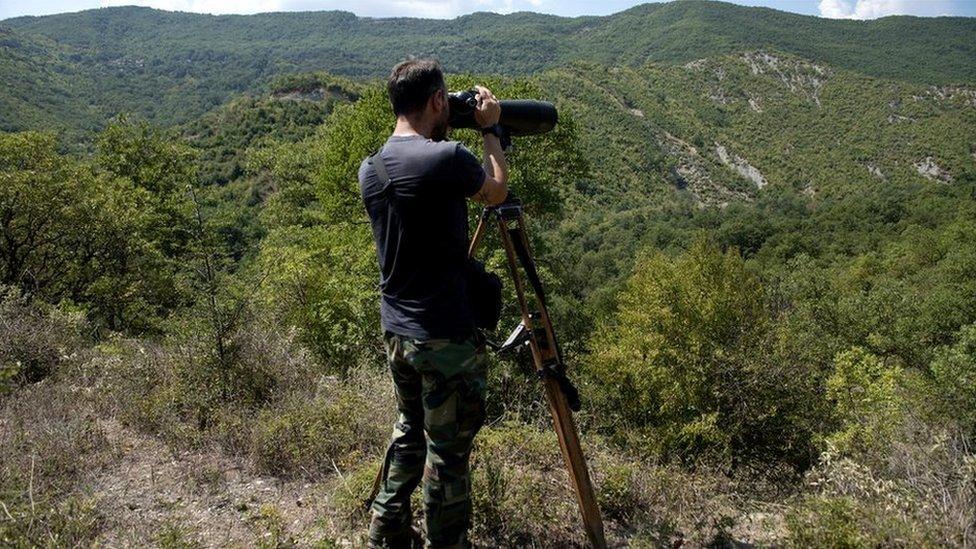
[(417, 91)]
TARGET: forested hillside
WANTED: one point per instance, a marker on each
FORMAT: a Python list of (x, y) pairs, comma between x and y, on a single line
[(172, 67), (736, 129), (757, 231)]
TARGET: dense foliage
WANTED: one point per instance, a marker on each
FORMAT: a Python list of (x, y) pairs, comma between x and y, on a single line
[(100, 234)]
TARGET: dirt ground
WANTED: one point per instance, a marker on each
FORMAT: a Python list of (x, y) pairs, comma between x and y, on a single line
[(153, 495)]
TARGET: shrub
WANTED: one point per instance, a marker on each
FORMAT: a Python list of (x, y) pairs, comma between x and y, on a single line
[(522, 494), (34, 338), (270, 528), (175, 536), (856, 508), (516, 495), (69, 522), (866, 404), (322, 282), (177, 388), (954, 370), (350, 491), (826, 522), (49, 440), (309, 434), (336, 428), (918, 490), (618, 496), (688, 366)]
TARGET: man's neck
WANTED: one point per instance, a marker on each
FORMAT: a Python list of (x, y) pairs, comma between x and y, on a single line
[(407, 127)]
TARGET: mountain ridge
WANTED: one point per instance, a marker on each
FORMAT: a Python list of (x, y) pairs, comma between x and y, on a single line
[(712, 25), (171, 67), (636, 9)]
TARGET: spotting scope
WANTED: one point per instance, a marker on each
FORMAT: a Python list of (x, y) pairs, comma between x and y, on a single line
[(518, 116)]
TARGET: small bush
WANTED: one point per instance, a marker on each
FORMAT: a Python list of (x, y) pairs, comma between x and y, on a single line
[(954, 370), (177, 389), (515, 495), (175, 536), (826, 522), (522, 495), (337, 427), (867, 406), (351, 489), (271, 529), (34, 338), (68, 522), (618, 496), (925, 496), (49, 439)]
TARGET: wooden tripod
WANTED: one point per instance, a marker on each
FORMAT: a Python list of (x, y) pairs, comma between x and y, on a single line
[(536, 331)]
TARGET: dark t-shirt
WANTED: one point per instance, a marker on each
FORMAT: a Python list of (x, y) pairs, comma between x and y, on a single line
[(420, 226)]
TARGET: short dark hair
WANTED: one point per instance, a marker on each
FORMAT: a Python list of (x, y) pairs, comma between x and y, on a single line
[(411, 84)]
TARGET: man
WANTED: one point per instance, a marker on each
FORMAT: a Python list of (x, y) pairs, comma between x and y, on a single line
[(419, 218)]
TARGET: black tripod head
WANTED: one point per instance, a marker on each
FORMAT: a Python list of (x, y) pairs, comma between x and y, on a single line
[(508, 210)]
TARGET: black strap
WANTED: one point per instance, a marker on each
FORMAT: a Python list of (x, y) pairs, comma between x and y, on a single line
[(376, 160), (555, 370), (518, 242)]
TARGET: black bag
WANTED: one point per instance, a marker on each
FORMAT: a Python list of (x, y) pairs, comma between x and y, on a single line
[(484, 288), (484, 295)]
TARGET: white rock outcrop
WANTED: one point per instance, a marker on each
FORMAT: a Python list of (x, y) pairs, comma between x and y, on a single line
[(741, 166), (930, 170), (874, 170), (691, 173), (799, 76)]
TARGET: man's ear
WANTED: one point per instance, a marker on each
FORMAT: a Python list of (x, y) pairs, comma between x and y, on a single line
[(438, 100)]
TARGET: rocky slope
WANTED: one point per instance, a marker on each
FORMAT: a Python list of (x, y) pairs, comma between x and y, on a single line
[(724, 128)]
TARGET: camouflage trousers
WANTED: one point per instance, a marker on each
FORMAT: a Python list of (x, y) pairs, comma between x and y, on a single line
[(440, 392)]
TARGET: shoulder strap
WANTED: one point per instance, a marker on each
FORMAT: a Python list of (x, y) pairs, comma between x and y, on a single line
[(376, 159)]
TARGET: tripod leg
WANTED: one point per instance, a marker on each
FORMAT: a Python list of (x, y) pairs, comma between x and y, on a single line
[(479, 232), (543, 352), (569, 443)]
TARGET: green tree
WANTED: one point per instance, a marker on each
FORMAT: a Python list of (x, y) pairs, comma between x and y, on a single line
[(321, 266), (687, 367), (73, 233), (159, 163)]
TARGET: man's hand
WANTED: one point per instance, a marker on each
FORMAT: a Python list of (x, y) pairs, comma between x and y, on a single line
[(488, 110)]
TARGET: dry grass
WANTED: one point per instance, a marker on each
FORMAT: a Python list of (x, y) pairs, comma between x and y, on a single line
[(50, 442), (35, 339), (924, 496)]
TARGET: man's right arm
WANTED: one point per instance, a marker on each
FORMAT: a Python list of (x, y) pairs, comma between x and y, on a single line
[(495, 188)]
